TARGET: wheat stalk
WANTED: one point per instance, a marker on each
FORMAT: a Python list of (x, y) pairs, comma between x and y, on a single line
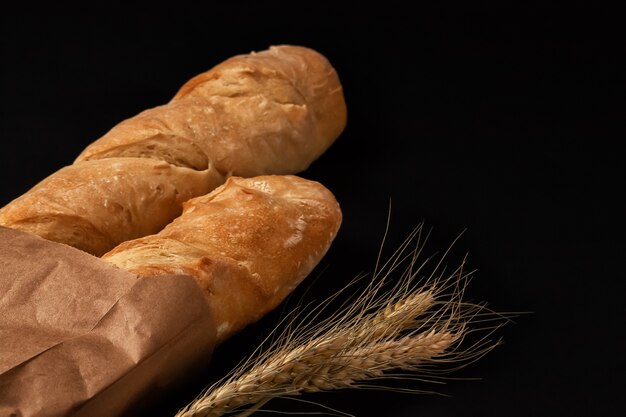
[(407, 328)]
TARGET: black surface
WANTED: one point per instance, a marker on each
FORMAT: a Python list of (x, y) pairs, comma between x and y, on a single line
[(498, 121)]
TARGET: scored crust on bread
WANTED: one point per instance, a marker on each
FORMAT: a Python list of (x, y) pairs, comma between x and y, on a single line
[(271, 112), (248, 244), (97, 204)]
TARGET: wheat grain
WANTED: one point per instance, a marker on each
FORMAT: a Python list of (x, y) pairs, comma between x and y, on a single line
[(401, 315)]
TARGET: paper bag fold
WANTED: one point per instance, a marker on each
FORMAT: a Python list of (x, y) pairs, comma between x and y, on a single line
[(81, 337)]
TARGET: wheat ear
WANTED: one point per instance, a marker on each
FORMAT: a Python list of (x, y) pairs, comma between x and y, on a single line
[(407, 328)]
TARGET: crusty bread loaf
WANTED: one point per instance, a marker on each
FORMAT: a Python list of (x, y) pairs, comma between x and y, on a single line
[(248, 244), (271, 112), (97, 204)]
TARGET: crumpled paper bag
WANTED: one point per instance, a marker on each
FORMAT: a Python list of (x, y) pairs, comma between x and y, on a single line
[(80, 337)]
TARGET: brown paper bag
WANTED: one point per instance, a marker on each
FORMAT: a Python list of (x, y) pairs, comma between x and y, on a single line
[(80, 337)]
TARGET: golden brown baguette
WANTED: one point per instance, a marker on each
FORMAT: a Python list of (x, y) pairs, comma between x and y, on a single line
[(97, 204), (248, 244), (271, 112)]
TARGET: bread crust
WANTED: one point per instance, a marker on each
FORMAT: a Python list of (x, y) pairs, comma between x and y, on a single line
[(271, 112), (98, 204), (248, 244)]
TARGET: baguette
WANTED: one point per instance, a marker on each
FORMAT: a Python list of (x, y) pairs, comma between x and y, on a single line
[(272, 112), (248, 244), (264, 113), (97, 204)]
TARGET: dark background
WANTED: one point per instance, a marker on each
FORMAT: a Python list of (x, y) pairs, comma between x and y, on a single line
[(494, 121)]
